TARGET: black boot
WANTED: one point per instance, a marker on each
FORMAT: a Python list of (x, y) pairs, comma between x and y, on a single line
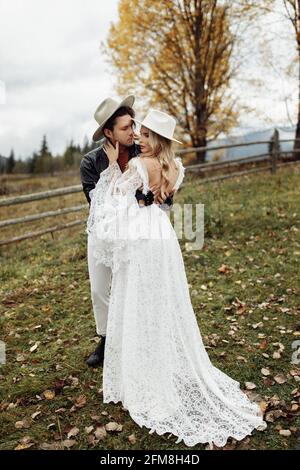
[(97, 357)]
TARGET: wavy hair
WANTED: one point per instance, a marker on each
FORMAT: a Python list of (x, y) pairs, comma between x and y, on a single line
[(162, 149)]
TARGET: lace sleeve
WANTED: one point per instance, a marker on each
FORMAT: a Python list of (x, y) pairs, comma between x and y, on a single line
[(113, 196), (101, 193), (131, 180), (181, 173)]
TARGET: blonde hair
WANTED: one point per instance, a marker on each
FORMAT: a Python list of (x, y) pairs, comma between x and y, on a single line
[(162, 149)]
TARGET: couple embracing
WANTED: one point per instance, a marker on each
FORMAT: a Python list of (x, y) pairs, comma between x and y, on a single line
[(154, 360)]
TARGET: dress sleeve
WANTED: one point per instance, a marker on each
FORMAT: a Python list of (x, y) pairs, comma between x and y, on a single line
[(181, 173), (131, 180), (112, 185), (109, 215), (102, 193)]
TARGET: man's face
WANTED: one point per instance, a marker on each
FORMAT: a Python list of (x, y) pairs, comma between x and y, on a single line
[(122, 131)]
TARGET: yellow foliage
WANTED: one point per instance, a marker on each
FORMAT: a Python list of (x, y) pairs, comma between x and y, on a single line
[(176, 55)]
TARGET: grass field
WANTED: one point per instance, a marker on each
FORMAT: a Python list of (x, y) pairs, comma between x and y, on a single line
[(248, 313)]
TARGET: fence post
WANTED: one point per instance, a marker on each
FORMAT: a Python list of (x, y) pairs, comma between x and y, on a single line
[(274, 150)]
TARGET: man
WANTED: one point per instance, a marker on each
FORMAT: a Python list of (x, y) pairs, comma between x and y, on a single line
[(115, 124)]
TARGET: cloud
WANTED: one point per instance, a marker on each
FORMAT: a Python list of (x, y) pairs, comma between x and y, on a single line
[(55, 74), (53, 70)]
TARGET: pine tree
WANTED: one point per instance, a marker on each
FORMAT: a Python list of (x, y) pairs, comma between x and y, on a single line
[(69, 153), (44, 160), (11, 162)]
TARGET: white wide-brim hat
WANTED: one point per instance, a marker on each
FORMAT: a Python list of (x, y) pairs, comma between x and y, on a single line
[(161, 123), (105, 111)]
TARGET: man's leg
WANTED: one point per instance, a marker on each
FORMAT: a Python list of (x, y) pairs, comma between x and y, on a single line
[(100, 281)]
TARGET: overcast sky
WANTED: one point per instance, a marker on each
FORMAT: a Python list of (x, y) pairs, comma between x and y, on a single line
[(53, 76)]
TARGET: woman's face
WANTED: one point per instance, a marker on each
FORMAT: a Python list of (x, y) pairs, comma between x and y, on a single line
[(144, 140)]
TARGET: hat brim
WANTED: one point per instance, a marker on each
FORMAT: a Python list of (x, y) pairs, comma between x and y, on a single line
[(128, 101), (159, 133)]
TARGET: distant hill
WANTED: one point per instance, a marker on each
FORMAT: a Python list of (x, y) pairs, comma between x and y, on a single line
[(251, 150)]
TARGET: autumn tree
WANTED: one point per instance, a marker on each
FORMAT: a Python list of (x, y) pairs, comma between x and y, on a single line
[(176, 54)]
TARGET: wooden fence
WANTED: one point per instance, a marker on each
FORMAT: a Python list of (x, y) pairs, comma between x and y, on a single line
[(263, 162)]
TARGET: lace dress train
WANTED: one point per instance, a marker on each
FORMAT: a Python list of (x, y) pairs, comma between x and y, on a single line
[(155, 360)]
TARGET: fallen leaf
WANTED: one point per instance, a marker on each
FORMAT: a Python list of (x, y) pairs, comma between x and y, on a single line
[(20, 358), (132, 439), (24, 443), (263, 344), (60, 410), (52, 446), (268, 381), (68, 443), (250, 385), (224, 269), (49, 394), (285, 432), (263, 406), (59, 384), (241, 306), (89, 429), (269, 417), (33, 348), (265, 371), (80, 401), (25, 424), (24, 446), (100, 433), (280, 379), (276, 355), (113, 426), (73, 432), (95, 417), (91, 440), (261, 428)]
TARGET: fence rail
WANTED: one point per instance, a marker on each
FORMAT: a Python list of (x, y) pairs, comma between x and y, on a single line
[(41, 215), (273, 160), (42, 232), (39, 196)]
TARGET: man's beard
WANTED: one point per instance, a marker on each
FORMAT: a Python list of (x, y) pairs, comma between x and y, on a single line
[(129, 143)]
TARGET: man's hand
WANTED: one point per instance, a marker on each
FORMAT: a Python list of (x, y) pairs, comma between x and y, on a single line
[(111, 151)]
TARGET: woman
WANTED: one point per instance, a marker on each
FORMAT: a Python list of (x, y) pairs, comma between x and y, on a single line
[(155, 361)]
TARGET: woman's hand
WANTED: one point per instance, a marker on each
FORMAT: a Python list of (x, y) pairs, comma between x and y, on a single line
[(157, 196), (111, 152)]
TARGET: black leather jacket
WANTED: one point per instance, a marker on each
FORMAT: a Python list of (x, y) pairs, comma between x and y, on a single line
[(96, 161)]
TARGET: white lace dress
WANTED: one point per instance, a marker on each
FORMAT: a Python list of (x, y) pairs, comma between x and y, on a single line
[(155, 360)]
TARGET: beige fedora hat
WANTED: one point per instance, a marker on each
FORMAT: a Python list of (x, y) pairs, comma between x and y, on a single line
[(161, 123), (105, 111)]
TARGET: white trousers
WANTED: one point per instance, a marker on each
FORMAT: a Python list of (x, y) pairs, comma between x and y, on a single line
[(100, 283)]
